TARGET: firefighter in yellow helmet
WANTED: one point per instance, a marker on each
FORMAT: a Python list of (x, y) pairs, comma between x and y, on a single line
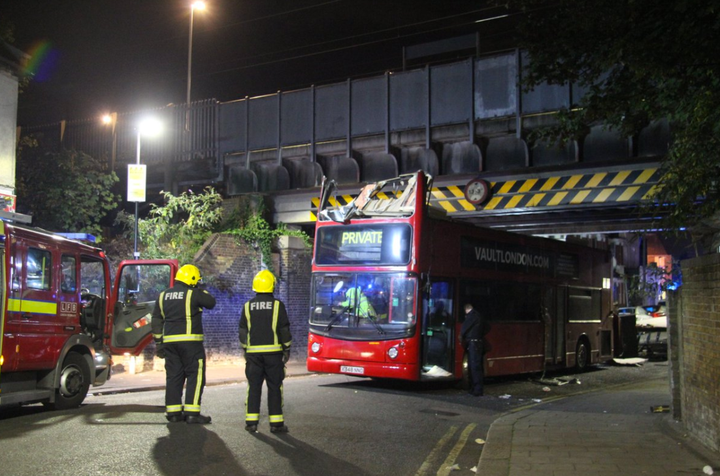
[(178, 333), (265, 337)]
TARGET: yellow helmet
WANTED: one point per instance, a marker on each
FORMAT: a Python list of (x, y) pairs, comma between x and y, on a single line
[(189, 275), (264, 282)]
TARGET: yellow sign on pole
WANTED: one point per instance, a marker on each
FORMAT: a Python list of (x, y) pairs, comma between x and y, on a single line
[(137, 180)]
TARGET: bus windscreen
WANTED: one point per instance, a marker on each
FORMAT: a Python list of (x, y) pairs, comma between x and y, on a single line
[(378, 244)]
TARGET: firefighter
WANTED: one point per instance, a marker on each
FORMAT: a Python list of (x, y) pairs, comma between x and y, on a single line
[(357, 302), (265, 337), (178, 333)]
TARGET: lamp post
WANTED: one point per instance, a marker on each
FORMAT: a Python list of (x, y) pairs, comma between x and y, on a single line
[(137, 173), (195, 6), (110, 120)]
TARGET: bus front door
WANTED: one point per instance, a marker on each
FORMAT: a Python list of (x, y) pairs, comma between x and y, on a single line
[(438, 329)]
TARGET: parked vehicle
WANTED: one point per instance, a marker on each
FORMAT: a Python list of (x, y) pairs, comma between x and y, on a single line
[(60, 319), (652, 330), (653, 316)]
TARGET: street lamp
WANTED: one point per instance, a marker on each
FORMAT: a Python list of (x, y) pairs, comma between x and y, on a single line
[(137, 173), (195, 6), (110, 120)]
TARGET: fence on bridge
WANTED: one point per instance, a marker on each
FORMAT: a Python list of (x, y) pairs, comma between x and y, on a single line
[(459, 118)]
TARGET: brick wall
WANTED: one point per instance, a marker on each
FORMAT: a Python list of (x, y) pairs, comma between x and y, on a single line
[(698, 349), (229, 269)]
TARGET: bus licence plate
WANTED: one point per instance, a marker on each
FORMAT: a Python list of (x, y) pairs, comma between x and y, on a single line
[(352, 370)]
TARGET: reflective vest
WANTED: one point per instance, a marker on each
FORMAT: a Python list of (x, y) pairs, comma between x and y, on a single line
[(177, 316), (356, 301), (264, 325)]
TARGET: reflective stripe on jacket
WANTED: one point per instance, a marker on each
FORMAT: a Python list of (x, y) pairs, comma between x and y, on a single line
[(264, 325), (177, 316)]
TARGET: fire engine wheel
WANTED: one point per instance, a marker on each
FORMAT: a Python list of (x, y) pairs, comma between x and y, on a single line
[(74, 382), (582, 356)]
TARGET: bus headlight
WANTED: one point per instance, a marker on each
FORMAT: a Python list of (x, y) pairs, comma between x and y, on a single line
[(315, 347), (392, 352)]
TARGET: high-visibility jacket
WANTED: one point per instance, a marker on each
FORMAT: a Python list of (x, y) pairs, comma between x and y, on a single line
[(264, 325), (177, 316), (357, 302)]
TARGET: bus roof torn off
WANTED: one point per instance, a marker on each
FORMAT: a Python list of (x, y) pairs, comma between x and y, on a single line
[(388, 198)]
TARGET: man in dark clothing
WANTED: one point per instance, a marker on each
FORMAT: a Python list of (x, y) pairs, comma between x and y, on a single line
[(265, 337), (178, 333), (471, 334)]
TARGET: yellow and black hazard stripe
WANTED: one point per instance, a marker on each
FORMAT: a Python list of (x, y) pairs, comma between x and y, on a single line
[(620, 187), (341, 200), (626, 186)]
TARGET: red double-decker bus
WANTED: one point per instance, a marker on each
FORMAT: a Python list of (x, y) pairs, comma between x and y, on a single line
[(390, 277)]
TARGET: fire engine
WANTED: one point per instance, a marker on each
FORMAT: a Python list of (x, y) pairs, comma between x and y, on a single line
[(61, 321)]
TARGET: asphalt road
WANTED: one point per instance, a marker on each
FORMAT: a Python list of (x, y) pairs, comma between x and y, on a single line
[(338, 426)]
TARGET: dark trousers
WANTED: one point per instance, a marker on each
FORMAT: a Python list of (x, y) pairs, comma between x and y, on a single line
[(261, 368), (476, 367), (184, 363)]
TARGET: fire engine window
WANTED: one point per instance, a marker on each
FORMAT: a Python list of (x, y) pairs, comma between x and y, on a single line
[(143, 283), (92, 276), (69, 275), (38, 266)]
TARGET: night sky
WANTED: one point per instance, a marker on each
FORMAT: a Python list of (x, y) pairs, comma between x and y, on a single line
[(96, 56)]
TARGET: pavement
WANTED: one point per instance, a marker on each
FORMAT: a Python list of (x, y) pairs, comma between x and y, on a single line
[(217, 374), (622, 430)]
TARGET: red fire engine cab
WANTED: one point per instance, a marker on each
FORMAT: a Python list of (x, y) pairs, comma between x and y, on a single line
[(61, 320)]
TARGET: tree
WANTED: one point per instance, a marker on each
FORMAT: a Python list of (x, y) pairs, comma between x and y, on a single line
[(66, 191), (640, 61), (247, 224), (177, 229), (180, 227)]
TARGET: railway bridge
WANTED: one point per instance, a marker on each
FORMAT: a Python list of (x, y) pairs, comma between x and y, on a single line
[(466, 123)]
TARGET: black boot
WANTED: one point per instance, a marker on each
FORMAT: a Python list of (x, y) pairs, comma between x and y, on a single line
[(197, 418), (175, 417)]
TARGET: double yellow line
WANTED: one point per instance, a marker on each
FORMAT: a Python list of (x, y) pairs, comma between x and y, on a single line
[(436, 453)]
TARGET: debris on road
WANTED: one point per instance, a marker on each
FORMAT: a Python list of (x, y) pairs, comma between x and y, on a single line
[(479, 441), (632, 361)]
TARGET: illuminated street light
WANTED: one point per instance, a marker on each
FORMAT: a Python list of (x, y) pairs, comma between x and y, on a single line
[(110, 120), (195, 6), (137, 173)]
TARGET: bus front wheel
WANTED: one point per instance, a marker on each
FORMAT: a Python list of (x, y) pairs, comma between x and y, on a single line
[(582, 356)]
